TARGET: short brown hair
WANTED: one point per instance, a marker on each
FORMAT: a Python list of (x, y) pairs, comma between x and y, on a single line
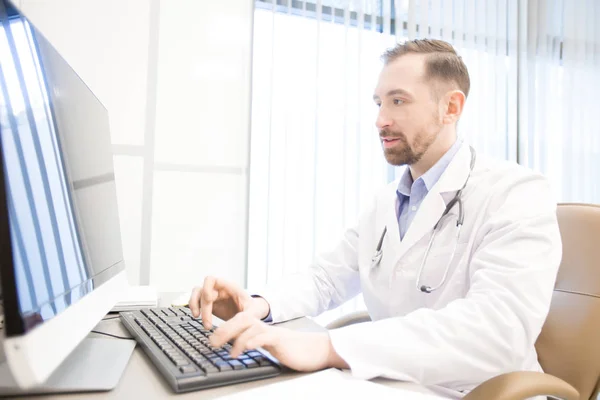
[(442, 62)]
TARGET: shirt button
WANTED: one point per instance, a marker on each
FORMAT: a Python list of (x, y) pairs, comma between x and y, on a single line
[(414, 208)]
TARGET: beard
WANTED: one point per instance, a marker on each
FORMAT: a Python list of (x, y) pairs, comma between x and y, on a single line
[(405, 153)]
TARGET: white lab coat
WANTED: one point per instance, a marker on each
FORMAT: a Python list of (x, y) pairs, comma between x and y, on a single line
[(486, 317)]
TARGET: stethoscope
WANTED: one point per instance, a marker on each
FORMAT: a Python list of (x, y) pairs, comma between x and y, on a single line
[(457, 199)]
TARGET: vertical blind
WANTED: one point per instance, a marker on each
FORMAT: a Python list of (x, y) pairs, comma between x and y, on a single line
[(559, 82), (315, 157)]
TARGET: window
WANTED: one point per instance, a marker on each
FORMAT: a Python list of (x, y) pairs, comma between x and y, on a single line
[(315, 157)]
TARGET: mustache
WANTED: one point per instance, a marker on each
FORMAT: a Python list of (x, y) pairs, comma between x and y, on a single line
[(384, 134)]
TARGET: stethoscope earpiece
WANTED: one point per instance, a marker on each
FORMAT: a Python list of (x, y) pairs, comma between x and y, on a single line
[(425, 289)]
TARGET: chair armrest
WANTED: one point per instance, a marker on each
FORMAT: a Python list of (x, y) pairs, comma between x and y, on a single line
[(523, 385), (349, 319)]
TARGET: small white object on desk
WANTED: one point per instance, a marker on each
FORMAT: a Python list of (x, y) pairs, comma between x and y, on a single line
[(182, 300), (328, 384), (137, 297)]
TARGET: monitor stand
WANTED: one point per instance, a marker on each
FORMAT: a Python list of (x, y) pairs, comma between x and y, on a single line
[(95, 365)]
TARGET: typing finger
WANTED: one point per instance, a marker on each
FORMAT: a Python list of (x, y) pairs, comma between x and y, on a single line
[(232, 328), (208, 297), (194, 302), (240, 344), (264, 339)]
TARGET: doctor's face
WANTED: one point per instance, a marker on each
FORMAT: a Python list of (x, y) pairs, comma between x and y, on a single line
[(409, 117)]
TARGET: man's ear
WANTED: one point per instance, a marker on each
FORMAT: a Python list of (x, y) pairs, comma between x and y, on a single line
[(454, 104)]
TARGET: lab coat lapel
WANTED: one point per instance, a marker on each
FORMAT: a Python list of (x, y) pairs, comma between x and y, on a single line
[(392, 237), (434, 203)]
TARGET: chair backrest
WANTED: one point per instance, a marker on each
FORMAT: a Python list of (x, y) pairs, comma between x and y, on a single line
[(569, 344)]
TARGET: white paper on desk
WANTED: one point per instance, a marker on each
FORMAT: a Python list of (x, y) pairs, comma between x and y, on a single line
[(328, 384)]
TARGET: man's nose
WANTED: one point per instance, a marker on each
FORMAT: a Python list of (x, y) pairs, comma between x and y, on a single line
[(383, 121)]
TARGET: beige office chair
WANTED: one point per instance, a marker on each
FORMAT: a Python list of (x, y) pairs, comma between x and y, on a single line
[(569, 344)]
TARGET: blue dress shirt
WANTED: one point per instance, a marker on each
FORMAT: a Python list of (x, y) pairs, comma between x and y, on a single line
[(411, 194), (269, 318)]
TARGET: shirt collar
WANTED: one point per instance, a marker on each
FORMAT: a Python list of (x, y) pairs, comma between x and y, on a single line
[(432, 175)]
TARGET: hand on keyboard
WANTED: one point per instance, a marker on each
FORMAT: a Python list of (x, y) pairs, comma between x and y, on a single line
[(302, 351), (225, 300)]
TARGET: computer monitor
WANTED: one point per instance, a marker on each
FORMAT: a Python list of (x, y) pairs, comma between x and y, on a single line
[(61, 258)]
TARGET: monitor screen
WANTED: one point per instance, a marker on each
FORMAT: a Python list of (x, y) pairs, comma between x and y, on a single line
[(59, 223)]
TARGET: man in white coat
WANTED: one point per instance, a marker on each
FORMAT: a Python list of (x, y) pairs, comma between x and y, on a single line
[(456, 260)]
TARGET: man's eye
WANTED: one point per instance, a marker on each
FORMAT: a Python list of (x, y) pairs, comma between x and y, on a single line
[(378, 104), (398, 101)]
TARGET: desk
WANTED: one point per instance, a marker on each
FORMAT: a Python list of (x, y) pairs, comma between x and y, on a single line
[(142, 381)]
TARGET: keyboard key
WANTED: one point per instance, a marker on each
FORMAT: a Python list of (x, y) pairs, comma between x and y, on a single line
[(250, 363), (236, 364), (223, 365), (210, 369), (199, 347), (188, 369), (262, 361), (201, 361), (187, 352), (180, 361)]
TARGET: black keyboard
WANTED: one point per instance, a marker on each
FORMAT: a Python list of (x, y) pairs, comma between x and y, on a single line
[(178, 346)]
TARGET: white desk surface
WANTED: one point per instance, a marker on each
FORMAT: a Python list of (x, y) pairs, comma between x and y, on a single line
[(142, 381)]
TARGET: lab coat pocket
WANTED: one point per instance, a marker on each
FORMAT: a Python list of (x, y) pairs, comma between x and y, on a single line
[(445, 269), (440, 271)]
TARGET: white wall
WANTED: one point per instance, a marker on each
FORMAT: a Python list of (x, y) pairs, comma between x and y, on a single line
[(175, 77), (202, 138)]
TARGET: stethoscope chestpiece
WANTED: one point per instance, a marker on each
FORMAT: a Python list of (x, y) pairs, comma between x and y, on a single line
[(376, 260), (425, 289)]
